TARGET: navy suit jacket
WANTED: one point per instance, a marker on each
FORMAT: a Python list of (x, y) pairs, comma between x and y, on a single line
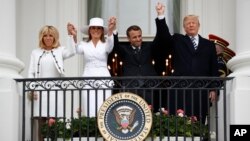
[(186, 60), (138, 64)]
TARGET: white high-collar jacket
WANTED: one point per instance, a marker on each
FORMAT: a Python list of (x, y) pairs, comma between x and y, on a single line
[(60, 54)]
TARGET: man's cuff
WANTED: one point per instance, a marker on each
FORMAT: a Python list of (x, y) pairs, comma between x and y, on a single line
[(115, 32), (160, 17)]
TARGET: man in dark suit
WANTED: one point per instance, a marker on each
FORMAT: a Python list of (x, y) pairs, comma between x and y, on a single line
[(136, 57), (137, 61), (193, 55)]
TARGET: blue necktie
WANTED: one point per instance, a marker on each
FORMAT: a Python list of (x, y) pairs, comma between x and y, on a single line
[(194, 43)]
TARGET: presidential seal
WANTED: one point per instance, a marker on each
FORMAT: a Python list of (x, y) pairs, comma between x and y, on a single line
[(124, 117)]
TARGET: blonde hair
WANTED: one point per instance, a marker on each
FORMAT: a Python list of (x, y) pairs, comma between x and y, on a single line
[(47, 29), (190, 17)]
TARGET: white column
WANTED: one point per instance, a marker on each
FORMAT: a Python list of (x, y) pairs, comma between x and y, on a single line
[(240, 65), (9, 103), (10, 66)]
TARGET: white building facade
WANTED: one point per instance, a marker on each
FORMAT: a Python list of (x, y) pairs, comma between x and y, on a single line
[(21, 21)]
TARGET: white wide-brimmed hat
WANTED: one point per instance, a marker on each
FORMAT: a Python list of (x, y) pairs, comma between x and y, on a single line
[(94, 22)]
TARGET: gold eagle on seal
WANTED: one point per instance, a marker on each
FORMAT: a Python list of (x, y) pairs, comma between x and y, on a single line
[(124, 116)]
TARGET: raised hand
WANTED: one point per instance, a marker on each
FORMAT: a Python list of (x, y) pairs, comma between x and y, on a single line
[(111, 25), (160, 8), (72, 31)]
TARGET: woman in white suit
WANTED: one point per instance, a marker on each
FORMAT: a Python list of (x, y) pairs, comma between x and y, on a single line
[(95, 53), (47, 61), (50, 49)]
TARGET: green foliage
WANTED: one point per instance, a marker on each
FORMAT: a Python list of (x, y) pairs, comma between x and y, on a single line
[(85, 127), (57, 129), (76, 127), (170, 125), (163, 125)]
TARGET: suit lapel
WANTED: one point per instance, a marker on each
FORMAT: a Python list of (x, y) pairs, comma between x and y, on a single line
[(189, 43), (201, 43)]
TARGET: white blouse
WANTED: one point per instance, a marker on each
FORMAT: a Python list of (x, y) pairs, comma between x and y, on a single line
[(48, 68)]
